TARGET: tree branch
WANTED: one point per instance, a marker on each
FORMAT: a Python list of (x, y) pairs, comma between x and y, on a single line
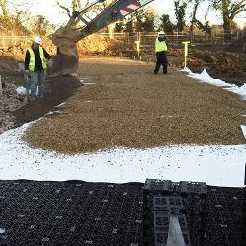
[(236, 8), (64, 8)]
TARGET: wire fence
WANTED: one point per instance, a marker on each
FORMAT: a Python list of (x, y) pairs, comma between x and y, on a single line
[(175, 38), (139, 41), (144, 37)]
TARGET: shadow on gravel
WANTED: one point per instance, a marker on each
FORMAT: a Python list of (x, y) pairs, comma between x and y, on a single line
[(57, 90)]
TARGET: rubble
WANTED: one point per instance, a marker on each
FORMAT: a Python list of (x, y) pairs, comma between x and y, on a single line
[(9, 102)]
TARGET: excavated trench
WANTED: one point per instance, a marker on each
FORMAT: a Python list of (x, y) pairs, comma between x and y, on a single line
[(14, 111), (57, 90), (58, 87)]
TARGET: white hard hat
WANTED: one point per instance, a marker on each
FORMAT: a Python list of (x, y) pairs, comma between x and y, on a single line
[(37, 40), (161, 33)]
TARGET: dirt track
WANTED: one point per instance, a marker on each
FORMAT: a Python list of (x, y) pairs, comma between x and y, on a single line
[(130, 106)]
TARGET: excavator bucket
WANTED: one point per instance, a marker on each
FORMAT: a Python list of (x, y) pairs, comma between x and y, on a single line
[(66, 37), (66, 59)]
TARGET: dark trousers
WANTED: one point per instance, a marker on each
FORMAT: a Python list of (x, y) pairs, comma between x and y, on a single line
[(161, 59)]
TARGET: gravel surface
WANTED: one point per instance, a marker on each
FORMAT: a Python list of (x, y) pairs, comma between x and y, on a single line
[(124, 104)]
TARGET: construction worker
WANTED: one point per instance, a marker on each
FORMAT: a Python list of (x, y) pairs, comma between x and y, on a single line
[(161, 50), (35, 68)]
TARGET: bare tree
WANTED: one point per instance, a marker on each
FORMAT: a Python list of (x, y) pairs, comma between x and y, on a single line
[(196, 4), (180, 12), (75, 5), (229, 9), (11, 21), (166, 25)]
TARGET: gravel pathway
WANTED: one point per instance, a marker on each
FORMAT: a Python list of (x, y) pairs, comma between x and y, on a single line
[(124, 104)]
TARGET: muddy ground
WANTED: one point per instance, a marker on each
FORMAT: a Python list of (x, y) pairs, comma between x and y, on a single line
[(124, 104)]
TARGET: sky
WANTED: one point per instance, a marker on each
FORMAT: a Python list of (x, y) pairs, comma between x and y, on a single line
[(49, 8)]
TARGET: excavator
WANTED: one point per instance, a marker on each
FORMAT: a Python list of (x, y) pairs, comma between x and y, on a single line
[(81, 25)]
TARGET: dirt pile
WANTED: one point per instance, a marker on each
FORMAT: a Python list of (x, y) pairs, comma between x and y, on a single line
[(9, 102), (238, 46), (227, 66), (9, 65), (98, 45)]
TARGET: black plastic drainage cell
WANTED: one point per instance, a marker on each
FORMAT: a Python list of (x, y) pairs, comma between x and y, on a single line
[(165, 199), (225, 216), (80, 213), (163, 208), (70, 213)]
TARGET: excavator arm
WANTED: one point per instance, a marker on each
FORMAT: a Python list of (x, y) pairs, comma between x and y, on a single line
[(65, 38)]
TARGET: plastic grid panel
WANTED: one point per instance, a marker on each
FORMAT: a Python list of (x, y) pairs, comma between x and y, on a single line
[(158, 185), (192, 187), (180, 187), (70, 213), (225, 217), (163, 208)]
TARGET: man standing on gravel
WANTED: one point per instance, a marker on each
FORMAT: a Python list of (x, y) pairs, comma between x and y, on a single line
[(35, 68), (161, 50)]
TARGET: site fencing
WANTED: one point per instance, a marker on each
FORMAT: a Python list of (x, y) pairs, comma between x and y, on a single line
[(143, 37), (142, 42), (175, 38)]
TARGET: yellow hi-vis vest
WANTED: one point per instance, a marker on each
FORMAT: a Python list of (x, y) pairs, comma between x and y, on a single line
[(32, 59), (160, 46)]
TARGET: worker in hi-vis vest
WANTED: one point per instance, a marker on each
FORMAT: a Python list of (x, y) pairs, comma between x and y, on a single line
[(35, 67), (161, 53)]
